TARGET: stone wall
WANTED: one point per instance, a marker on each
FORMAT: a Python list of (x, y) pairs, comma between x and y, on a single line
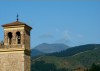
[(27, 39), (27, 64), (12, 61), (13, 31), (15, 56)]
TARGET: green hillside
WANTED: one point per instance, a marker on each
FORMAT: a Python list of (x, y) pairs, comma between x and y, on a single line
[(75, 50), (82, 59)]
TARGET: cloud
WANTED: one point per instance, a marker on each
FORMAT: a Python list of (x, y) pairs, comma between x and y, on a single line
[(80, 36), (69, 38), (65, 37), (46, 35), (66, 34), (62, 40)]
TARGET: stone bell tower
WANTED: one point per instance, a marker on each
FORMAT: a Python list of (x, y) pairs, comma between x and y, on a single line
[(15, 53)]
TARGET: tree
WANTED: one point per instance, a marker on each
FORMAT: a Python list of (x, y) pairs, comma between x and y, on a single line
[(94, 67)]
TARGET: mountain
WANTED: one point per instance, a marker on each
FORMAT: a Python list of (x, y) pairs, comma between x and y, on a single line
[(81, 57), (75, 50), (35, 52), (86, 58), (50, 48), (47, 48)]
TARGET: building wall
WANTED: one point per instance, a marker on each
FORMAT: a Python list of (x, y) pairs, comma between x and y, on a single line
[(27, 39), (27, 64), (16, 57), (12, 61), (13, 31)]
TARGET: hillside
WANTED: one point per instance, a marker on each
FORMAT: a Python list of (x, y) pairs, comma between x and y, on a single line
[(82, 59), (75, 50)]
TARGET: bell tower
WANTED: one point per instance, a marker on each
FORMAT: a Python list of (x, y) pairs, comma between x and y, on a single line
[(15, 54)]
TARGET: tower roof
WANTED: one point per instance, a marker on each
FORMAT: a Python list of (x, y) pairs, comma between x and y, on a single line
[(17, 23)]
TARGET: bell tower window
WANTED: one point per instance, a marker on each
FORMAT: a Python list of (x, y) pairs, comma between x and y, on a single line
[(9, 37), (18, 35)]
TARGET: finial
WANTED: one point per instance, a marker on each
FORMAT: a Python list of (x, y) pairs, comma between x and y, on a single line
[(17, 17)]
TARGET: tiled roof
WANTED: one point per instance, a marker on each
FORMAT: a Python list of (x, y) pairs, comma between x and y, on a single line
[(15, 24)]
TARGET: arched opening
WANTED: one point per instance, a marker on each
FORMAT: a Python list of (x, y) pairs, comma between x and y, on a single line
[(18, 35), (9, 37)]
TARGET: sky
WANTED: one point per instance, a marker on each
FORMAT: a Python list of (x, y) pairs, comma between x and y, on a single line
[(70, 22)]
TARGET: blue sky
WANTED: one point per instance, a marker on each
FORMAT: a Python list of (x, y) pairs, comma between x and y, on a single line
[(73, 23)]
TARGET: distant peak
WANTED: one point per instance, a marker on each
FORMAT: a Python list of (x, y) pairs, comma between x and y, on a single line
[(44, 43)]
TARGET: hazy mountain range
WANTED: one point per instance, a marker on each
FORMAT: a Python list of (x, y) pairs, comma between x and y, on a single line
[(45, 48), (72, 58)]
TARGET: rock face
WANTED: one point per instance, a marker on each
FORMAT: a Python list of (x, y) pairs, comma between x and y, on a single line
[(15, 53)]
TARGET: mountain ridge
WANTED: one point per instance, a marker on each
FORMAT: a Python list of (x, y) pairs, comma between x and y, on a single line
[(82, 59), (45, 48)]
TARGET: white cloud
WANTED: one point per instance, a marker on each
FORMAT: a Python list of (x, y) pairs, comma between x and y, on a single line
[(46, 35), (69, 38), (80, 36), (65, 37)]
